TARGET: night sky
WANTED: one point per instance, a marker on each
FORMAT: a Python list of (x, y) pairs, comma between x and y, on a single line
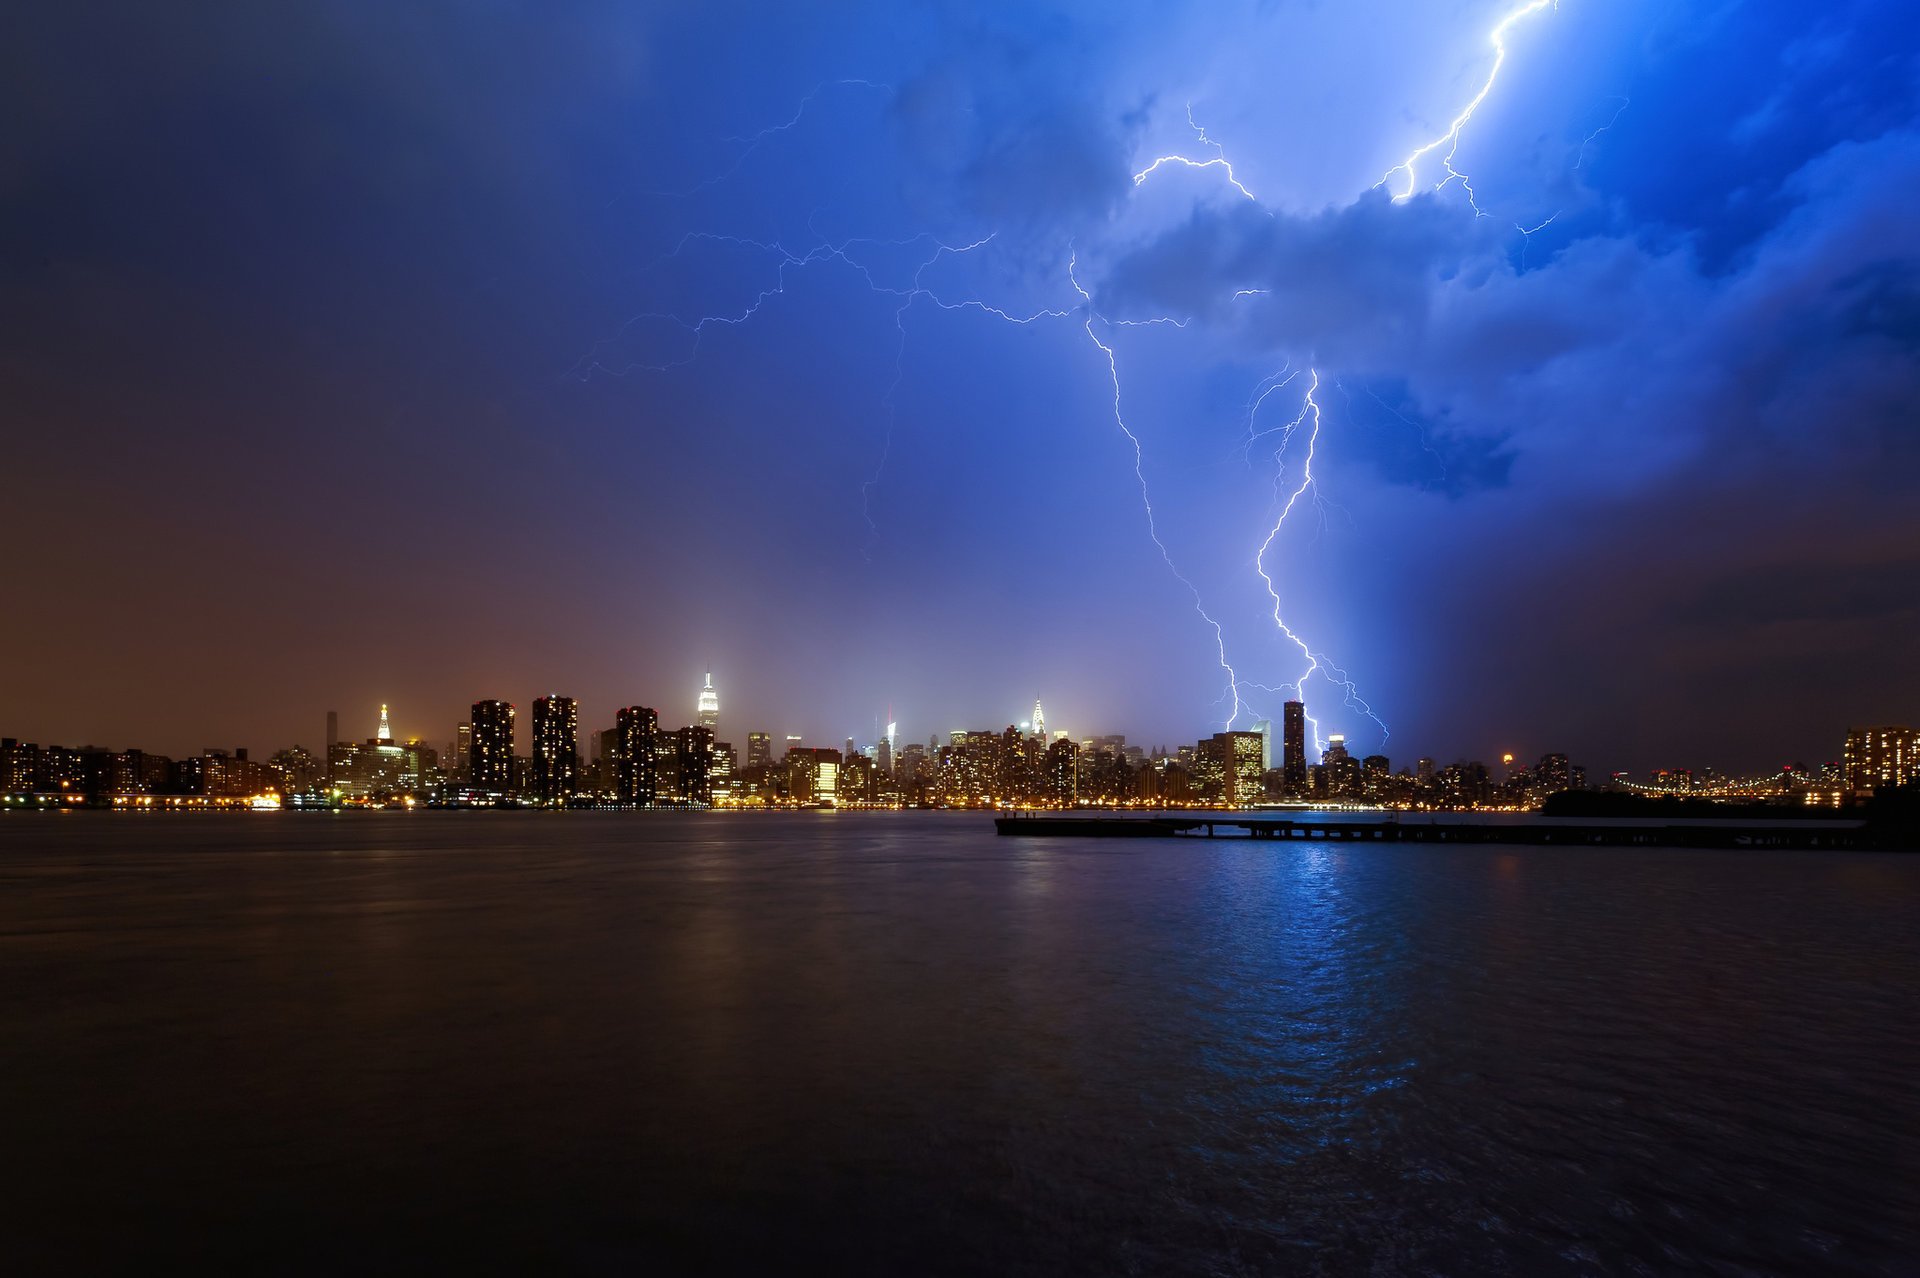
[(349, 357)]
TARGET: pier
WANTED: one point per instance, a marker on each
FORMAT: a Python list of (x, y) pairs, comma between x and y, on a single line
[(1803, 834)]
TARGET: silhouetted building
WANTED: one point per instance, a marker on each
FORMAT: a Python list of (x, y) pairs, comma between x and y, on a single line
[(759, 749), (693, 748), (556, 748), (1293, 743), (1063, 771), (490, 760)]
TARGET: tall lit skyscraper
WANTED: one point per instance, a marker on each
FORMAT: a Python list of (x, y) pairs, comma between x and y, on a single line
[(1265, 729), (708, 711), (385, 734), (693, 750), (556, 748), (635, 761), (1293, 744), (1039, 720), (490, 762)]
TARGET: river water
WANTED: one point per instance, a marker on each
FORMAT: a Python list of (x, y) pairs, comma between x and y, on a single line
[(894, 1043)]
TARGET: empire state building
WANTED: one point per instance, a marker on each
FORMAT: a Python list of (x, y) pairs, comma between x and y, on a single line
[(708, 713)]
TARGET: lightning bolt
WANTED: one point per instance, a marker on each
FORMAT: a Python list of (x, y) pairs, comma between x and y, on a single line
[(1403, 180), (1218, 161), (1317, 664), (1140, 476), (1451, 138)]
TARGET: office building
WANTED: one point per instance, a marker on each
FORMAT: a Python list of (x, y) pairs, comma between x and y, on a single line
[(707, 708), (1293, 746)]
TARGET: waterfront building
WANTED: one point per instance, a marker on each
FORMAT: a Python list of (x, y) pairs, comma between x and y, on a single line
[(693, 765), (556, 748), (635, 758), (490, 757), (1063, 772), (813, 775), (1878, 757), (380, 767), (759, 749), (1242, 757), (299, 770)]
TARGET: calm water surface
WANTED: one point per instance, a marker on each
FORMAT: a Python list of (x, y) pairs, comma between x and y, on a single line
[(618, 1043)]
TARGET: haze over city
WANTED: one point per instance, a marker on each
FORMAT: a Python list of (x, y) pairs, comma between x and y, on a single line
[(346, 369)]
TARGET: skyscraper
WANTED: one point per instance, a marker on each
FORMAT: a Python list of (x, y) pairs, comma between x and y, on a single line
[(1880, 756), (694, 763), (490, 763), (385, 733), (1265, 729), (634, 760), (708, 712), (1039, 719), (333, 741), (1240, 756), (556, 748), (1293, 745), (759, 749)]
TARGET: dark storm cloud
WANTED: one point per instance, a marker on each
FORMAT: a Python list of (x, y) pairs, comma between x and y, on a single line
[(1352, 286), (291, 290)]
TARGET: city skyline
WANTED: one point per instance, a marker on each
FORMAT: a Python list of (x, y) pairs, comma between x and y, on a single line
[(857, 357), (485, 748)]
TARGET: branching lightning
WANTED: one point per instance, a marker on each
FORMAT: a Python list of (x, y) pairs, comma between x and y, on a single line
[(1146, 499), (1310, 417), (1293, 484), (1218, 161), (1451, 138)]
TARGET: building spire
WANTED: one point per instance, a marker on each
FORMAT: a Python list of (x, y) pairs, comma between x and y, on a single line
[(708, 706), (386, 733)]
